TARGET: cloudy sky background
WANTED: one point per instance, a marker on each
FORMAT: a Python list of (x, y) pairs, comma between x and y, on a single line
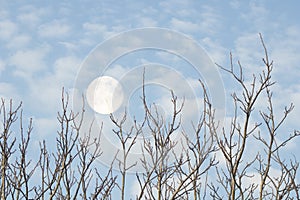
[(44, 44)]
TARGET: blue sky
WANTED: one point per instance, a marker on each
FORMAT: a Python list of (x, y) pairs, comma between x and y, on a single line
[(44, 46)]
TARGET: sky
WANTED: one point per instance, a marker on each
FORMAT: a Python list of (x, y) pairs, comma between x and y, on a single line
[(47, 45)]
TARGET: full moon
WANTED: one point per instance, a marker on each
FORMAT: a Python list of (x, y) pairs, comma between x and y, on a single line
[(105, 95)]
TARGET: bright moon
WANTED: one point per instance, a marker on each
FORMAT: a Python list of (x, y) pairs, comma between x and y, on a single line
[(104, 95)]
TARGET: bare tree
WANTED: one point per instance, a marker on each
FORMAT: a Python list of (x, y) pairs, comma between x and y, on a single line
[(127, 140), (234, 143), (71, 171), (16, 169), (167, 174), (67, 173), (72, 175)]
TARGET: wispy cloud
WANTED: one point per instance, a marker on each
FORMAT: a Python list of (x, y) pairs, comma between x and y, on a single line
[(2, 66), (148, 22), (184, 26), (31, 16), (29, 61), (54, 29), (7, 29), (94, 28), (19, 42), (9, 91)]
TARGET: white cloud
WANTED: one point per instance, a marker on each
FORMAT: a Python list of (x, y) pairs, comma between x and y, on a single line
[(256, 10), (2, 66), (184, 26), (4, 13), (28, 62), (7, 29), (148, 22), (94, 28), (235, 4), (149, 10), (66, 69), (31, 16), (135, 188), (9, 91), (167, 56), (175, 6), (69, 45), (249, 51), (43, 95), (257, 15), (55, 28), (215, 50), (282, 97), (94, 33), (255, 178), (46, 90), (19, 42), (44, 126), (186, 12), (284, 50), (117, 71), (210, 21), (97, 32)]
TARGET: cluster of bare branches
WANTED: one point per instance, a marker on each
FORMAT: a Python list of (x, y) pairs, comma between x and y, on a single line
[(170, 174), (67, 173), (194, 172), (167, 173), (234, 143)]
